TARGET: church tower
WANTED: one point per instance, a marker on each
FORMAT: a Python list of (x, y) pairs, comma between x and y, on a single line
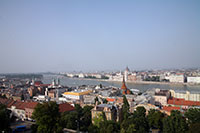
[(124, 89), (126, 73)]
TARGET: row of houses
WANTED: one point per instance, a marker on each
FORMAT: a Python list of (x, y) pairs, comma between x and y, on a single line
[(24, 110)]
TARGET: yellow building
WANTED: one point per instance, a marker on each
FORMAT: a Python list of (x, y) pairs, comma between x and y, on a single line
[(76, 95)]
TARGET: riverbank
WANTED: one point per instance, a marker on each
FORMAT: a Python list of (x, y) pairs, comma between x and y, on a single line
[(141, 82)]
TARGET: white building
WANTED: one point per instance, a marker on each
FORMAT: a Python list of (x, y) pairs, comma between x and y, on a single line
[(195, 80), (126, 73), (190, 96), (177, 78), (81, 75)]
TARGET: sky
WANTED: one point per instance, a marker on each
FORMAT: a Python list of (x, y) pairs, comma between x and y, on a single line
[(89, 35)]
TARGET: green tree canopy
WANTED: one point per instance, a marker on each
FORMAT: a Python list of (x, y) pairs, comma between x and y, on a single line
[(109, 127), (140, 120), (193, 115), (155, 119), (125, 108), (4, 119), (175, 123), (47, 117)]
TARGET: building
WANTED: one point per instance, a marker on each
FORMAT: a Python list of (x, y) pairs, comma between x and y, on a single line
[(111, 112), (65, 107), (147, 106), (184, 104), (32, 91), (29, 108), (132, 77), (124, 89), (177, 78), (161, 97), (126, 73), (167, 109), (77, 94), (195, 80), (186, 95)]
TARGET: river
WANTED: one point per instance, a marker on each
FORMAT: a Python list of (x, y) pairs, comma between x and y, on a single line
[(73, 82)]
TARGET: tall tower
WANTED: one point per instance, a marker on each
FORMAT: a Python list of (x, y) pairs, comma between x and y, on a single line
[(124, 89), (126, 73)]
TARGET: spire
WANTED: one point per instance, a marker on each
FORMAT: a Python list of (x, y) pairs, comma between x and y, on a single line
[(123, 84)]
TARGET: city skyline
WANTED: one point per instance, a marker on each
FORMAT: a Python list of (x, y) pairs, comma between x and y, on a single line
[(41, 36)]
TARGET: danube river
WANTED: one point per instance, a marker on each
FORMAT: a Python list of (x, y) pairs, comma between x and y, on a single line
[(73, 82)]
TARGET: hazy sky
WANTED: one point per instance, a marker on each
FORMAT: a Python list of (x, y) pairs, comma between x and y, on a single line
[(66, 35)]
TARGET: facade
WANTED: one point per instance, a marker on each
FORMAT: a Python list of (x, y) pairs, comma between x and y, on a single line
[(147, 106), (186, 95), (124, 89), (161, 97), (180, 78), (126, 73), (195, 80), (76, 95), (111, 112), (32, 91)]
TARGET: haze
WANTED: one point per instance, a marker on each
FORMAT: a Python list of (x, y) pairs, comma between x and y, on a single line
[(67, 35)]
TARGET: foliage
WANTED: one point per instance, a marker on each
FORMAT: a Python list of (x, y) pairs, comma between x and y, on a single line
[(96, 100), (109, 127), (175, 123), (125, 108), (105, 100), (47, 117), (153, 78), (155, 119), (93, 129), (194, 128), (98, 119), (193, 115), (131, 128), (140, 120), (4, 119), (22, 97), (79, 119)]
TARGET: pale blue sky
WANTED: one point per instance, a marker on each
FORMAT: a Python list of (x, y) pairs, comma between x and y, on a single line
[(67, 35)]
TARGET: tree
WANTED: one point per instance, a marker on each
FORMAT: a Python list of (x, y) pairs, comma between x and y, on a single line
[(105, 101), (140, 120), (100, 86), (194, 128), (175, 123), (131, 128), (98, 119), (96, 100), (155, 119), (69, 120), (193, 115), (22, 97), (47, 117), (86, 118), (4, 119), (109, 127), (125, 108)]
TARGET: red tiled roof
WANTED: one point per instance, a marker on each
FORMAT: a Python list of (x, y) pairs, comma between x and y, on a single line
[(38, 83), (110, 99), (179, 101), (18, 104), (31, 105), (44, 85), (63, 107), (7, 102), (170, 108)]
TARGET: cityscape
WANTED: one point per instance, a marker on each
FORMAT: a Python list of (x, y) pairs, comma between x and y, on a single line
[(100, 67)]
